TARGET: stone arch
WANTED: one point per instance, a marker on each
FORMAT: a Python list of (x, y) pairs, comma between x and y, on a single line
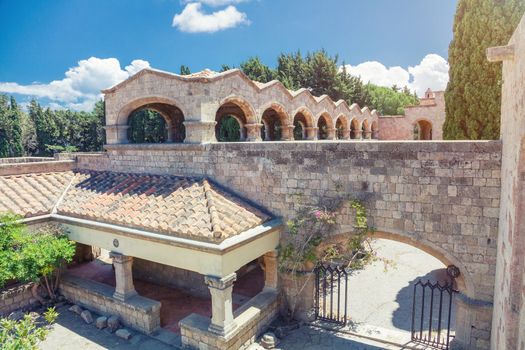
[(465, 283), (304, 119), (243, 105), (227, 112), (355, 130), (342, 127), (325, 125), (375, 129), (423, 129), (276, 123), (166, 107)]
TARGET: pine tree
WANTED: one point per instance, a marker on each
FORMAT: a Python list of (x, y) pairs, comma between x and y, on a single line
[(473, 95)]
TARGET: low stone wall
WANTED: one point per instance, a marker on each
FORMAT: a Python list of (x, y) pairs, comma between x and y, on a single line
[(17, 160), (36, 167), (16, 297), (252, 319), (137, 312), (170, 276)]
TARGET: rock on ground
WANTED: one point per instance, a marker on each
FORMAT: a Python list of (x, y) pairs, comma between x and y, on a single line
[(76, 309), (123, 333), (101, 322), (113, 324), (86, 316)]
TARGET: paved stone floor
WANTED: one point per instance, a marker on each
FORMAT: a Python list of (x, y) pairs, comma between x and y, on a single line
[(71, 332), (383, 298), (176, 303)]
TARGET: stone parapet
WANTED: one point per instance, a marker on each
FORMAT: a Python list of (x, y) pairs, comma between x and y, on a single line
[(15, 298), (136, 312), (251, 318), (34, 167)]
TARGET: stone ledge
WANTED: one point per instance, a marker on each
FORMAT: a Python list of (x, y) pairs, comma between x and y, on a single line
[(37, 167), (250, 318), (137, 312)]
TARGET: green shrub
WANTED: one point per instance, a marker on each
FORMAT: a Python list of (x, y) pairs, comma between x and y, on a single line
[(33, 256), (26, 333)]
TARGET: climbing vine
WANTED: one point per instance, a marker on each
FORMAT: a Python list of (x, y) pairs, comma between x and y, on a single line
[(309, 240)]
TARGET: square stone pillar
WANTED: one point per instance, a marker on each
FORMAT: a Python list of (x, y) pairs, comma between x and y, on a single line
[(222, 322), (200, 132), (332, 134), (287, 133), (271, 272), (124, 287), (253, 132), (311, 133)]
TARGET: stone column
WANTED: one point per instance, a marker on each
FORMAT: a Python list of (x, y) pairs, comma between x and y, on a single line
[(331, 134), (199, 132), (271, 274), (358, 134), (116, 134), (287, 133), (124, 287), (346, 135), (222, 322), (367, 135), (311, 133), (254, 132)]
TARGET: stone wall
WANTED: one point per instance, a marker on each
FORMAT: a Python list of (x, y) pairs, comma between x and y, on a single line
[(442, 197), (36, 167), (170, 276), (401, 127), (137, 312), (508, 328), (15, 298), (251, 318)]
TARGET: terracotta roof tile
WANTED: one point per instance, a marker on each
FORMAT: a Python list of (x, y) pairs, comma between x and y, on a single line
[(32, 194), (178, 206)]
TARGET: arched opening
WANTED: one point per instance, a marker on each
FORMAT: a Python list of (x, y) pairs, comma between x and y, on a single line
[(342, 128), (325, 127), (423, 130), (156, 123), (231, 121), (387, 296), (365, 130), (355, 132), (375, 130), (303, 125), (274, 123)]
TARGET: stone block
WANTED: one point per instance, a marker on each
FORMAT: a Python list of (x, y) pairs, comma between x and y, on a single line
[(76, 309), (113, 323), (86, 316), (101, 322), (123, 333)]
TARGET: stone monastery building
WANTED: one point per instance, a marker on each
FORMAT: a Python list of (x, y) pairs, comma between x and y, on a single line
[(203, 216)]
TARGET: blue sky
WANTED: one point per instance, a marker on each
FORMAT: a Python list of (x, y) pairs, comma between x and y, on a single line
[(42, 40)]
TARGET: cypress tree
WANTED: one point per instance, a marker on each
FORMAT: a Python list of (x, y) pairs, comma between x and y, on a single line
[(473, 95)]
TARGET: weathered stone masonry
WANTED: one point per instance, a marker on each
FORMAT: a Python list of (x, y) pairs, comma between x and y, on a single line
[(442, 197)]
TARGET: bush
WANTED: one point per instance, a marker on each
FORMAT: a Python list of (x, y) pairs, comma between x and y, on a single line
[(26, 333), (33, 256)]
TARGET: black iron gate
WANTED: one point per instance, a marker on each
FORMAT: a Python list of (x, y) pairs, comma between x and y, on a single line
[(432, 311), (331, 294)]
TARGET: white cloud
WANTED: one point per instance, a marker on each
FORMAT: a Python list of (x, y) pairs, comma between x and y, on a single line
[(431, 72), (216, 3), (193, 20), (80, 89)]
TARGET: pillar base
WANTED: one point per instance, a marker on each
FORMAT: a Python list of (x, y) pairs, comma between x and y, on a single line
[(223, 331), (123, 297)]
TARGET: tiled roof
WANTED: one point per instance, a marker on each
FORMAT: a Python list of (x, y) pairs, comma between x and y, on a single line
[(32, 194), (177, 206)]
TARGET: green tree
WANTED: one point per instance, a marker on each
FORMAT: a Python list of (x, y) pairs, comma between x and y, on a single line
[(258, 71), (473, 95), (185, 70), (10, 128), (147, 126), (229, 130), (390, 101)]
